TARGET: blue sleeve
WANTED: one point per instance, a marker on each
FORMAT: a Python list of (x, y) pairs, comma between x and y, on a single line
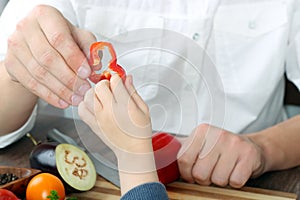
[(147, 191)]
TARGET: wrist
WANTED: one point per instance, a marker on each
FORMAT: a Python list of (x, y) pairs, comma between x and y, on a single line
[(131, 180), (270, 151), (134, 146), (18, 101), (141, 159), (13, 85), (136, 169)]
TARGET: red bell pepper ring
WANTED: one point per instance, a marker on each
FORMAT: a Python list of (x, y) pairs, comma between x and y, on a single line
[(166, 148), (95, 60)]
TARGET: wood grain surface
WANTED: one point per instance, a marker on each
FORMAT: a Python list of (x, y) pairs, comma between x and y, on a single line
[(185, 191)]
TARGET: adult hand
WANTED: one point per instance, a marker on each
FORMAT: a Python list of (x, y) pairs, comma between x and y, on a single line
[(212, 155), (47, 55)]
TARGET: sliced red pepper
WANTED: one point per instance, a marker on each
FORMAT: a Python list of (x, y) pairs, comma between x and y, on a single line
[(95, 60), (166, 148)]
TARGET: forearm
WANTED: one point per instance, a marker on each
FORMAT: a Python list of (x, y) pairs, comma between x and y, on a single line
[(137, 169), (16, 103), (280, 144)]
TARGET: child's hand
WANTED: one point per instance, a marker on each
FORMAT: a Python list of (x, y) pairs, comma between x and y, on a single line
[(118, 115)]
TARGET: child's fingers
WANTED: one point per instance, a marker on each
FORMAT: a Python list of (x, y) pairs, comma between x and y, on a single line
[(86, 115), (104, 94), (118, 89), (134, 95), (89, 98), (90, 119)]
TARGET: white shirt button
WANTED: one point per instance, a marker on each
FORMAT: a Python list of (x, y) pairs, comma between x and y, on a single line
[(123, 30), (252, 25), (196, 36)]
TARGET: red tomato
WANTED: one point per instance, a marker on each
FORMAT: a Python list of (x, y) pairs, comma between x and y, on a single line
[(7, 195), (42, 184), (166, 147)]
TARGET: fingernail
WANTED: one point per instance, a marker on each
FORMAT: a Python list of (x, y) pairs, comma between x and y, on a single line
[(84, 71), (76, 99), (83, 89), (63, 104)]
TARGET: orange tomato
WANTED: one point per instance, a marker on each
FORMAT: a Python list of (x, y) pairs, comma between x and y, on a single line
[(40, 186)]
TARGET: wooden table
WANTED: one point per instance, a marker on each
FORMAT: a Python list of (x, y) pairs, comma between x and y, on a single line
[(273, 185)]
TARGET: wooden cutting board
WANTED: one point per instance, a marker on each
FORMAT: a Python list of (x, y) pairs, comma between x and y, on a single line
[(104, 190)]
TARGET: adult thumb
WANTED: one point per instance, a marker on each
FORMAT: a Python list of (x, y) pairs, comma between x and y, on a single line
[(83, 38)]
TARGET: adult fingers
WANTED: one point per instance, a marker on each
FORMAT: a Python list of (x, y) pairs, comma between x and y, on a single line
[(189, 152), (204, 167), (39, 73), (240, 174), (16, 69), (59, 58), (60, 37), (85, 39), (223, 168), (248, 163)]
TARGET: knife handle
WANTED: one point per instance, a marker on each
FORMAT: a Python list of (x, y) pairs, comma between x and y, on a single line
[(60, 137)]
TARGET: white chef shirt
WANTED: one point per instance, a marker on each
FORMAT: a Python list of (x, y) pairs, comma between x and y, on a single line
[(250, 43)]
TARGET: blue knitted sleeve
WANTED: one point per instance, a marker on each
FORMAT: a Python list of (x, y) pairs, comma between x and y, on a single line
[(147, 191)]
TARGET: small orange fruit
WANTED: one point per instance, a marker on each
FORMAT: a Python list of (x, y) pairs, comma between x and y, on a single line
[(40, 186)]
